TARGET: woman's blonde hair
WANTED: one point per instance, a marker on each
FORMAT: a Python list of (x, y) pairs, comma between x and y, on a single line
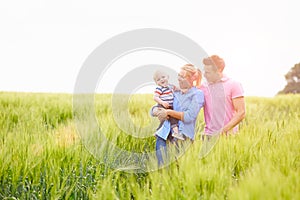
[(194, 73)]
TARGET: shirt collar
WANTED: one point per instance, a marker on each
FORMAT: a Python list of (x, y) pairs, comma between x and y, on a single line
[(223, 79)]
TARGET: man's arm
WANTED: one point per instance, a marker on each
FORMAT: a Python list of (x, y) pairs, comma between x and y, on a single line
[(240, 113)]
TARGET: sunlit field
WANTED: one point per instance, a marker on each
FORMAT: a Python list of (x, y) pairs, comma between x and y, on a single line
[(43, 155)]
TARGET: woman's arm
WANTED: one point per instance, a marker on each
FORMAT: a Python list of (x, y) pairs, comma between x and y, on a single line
[(194, 106), (163, 114), (175, 114), (190, 112)]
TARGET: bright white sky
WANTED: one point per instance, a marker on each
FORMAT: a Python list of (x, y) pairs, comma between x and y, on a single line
[(43, 44)]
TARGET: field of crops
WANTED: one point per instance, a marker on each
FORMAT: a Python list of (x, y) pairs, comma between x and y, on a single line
[(43, 155)]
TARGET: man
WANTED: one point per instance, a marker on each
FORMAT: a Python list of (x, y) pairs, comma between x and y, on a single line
[(224, 106)]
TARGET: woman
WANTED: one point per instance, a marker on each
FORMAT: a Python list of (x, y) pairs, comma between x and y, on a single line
[(187, 103)]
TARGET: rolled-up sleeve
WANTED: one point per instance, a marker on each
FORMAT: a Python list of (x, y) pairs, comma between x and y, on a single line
[(195, 104)]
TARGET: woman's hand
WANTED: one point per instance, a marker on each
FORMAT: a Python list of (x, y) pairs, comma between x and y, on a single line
[(160, 113)]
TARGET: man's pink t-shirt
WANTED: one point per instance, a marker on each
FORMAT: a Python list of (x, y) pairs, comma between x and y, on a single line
[(218, 107)]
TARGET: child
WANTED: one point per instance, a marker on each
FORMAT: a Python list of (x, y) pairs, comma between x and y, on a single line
[(163, 95)]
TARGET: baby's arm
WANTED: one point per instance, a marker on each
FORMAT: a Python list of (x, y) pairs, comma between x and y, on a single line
[(174, 87), (159, 101)]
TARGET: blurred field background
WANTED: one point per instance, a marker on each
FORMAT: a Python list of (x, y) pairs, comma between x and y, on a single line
[(42, 155)]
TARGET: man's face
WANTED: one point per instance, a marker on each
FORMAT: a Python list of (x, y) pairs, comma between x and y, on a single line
[(211, 74)]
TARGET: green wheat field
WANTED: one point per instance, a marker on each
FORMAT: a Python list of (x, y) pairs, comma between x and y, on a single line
[(43, 155)]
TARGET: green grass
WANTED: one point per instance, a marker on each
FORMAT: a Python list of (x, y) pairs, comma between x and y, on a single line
[(43, 156)]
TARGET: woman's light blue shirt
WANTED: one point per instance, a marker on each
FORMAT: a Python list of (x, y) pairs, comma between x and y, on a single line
[(190, 104)]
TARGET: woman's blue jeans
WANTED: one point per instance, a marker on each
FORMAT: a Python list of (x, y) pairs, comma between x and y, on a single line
[(161, 150)]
